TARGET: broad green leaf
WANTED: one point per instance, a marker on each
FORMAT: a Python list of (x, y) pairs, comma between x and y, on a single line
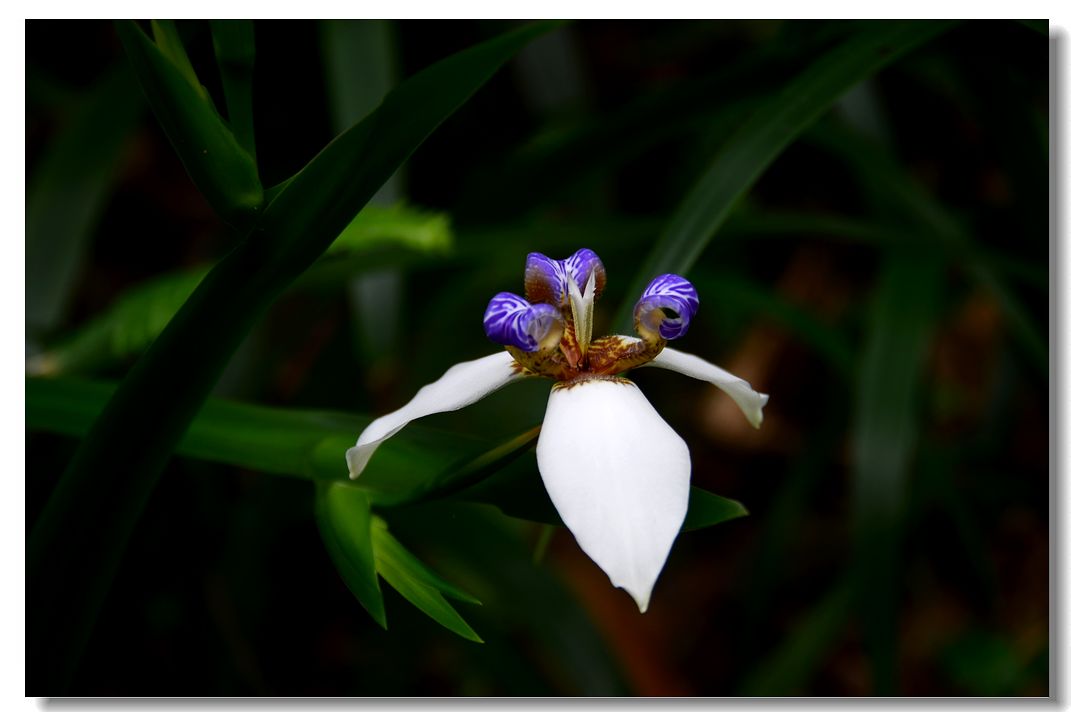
[(398, 225), (67, 191), (75, 546), (761, 139), (235, 54), (298, 443), (885, 434), (123, 331), (222, 170), (344, 517), (419, 585), (377, 236)]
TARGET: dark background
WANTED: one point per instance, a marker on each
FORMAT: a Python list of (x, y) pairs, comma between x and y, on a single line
[(226, 588)]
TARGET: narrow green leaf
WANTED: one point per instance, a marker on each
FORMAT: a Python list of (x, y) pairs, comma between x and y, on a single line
[(77, 542), (419, 585), (220, 168), (902, 199), (318, 202), (235, 55), (67, 192), (885, 435), (166, 36), (344, 517), (762, 138), (705, 509), (388, 547)]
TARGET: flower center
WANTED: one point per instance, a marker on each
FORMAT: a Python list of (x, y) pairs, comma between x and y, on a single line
[(549, 331)]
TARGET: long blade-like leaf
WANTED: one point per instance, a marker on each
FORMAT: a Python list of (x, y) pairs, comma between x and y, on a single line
[(344, 517), (76, 544), (905, 309), (762, 139), (220, 168), (66, 194), (418, 584), (235, 53)]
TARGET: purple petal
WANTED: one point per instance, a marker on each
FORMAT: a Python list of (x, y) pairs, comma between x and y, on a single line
[(667, 306), (546, 280), (511, 321), (581, 264)]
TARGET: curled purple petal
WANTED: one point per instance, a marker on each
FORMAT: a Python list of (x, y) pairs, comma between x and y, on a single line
[(511, 321), (666, 306), (581, 264), (546, 280)]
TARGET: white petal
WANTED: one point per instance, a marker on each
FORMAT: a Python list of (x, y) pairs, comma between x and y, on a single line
[(749, 400), (618, 476), (462, 385)]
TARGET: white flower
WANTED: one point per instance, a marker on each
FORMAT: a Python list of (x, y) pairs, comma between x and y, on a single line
[(616, 472)]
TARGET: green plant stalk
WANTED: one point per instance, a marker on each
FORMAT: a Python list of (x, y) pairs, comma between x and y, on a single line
[(906, 304), (75, 546), (761, 139)]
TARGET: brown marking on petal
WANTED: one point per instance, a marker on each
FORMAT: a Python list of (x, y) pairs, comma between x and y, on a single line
[(548, 363), (585, 377), (611, 355)]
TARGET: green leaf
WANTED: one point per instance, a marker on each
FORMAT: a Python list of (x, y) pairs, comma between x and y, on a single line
[(705, 509), (398, 225), (905, 201), (761, 139), (67, 191), (344, 517), (317, 203), (123, 331), (235, 54), (516, 490), (167, 38), (221, 169), (77, 542), (885, 434), (376, 237), (418, 584), (310, 444)]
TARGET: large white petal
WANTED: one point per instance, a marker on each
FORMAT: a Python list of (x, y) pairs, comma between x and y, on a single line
[(749, 400), (618, 476), (462, 385)]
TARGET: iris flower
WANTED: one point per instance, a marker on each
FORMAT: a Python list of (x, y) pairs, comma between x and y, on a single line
[(615, 471)]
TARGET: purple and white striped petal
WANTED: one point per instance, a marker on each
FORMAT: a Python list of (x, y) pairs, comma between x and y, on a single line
[(511, 321), (581, 264), (546, 280), (666, 307)]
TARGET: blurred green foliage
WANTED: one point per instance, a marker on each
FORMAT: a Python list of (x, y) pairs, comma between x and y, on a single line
[(861, 206)]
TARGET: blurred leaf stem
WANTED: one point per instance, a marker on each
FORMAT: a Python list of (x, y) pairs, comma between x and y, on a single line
[(762, 138)]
